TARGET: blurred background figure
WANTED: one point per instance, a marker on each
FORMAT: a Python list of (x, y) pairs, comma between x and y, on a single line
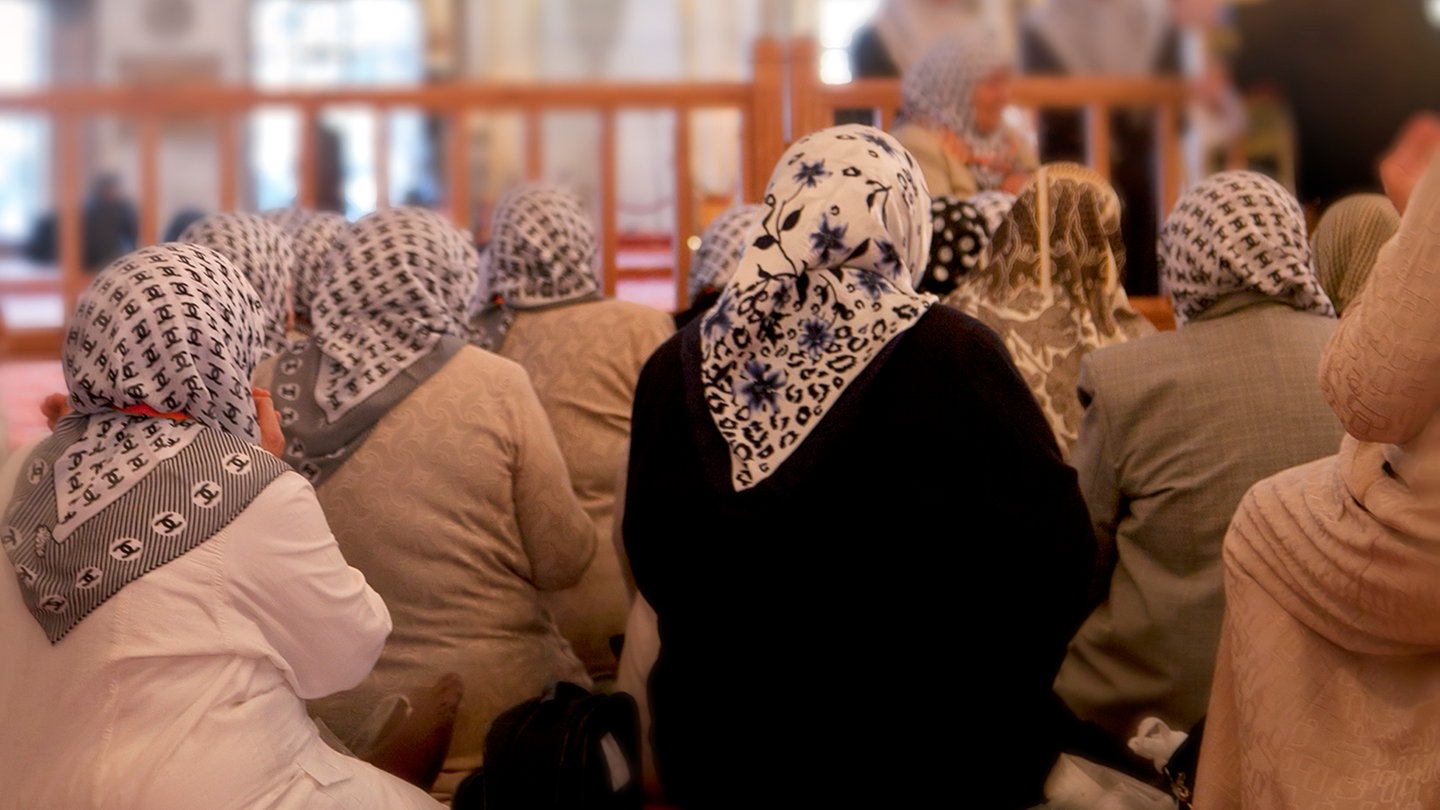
[(901, 31), (112, 227)]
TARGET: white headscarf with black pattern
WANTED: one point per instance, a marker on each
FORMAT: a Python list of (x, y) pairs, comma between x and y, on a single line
[(939, 91), (401, 281), (172, 329), (542, 248), (721, 245), (960, 238), (827, 283), (993, 205), (1234, 231), (312, 236), (261, 251)]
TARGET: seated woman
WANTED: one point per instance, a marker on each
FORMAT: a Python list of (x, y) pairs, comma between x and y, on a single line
[(263, 253), (440, 475), (1327, 682), (1176, 427), (583, 353), (962, 236), (1054, 286), (952, 109), (715, 261), (312, 236), (782, 519), (173, 591), (1347, 241)]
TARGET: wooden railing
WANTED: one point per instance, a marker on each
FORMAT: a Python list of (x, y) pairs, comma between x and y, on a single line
[(782, 72)]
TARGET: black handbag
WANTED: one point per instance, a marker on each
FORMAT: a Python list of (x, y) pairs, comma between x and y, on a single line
[(565, 750)]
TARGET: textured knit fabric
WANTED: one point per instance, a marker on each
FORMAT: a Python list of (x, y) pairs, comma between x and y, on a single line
[(260, 251), (832, 581), (1348, 240), (1052, 288), (828, 282), (1234, 231), (1326, 685), (1176, 427)]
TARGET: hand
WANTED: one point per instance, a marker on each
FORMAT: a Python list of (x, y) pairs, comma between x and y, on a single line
[(272, 439), (54, 408), (1403, 166), (1014, 181)]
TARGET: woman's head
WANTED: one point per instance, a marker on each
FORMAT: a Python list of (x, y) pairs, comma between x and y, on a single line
[(263, 253), (721, 246), (1233, 232), (960, 237), (542, 247), (1347, 242), (962, 83), (312, 234), (174, 328)]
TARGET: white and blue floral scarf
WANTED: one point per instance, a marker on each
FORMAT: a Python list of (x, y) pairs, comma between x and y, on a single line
[(827, 283)]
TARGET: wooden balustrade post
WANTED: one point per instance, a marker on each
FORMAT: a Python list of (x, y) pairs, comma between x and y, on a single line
[(534, 128), (767, 112), (806, 111), (67, 164), (459, 168), (229, 159), (307, 191), (149, 145), (609, 201), (1167, 128), (1097, 138), (684, 207), (382, 158)]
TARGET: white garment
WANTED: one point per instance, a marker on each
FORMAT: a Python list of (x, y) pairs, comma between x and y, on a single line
[(184, 690)]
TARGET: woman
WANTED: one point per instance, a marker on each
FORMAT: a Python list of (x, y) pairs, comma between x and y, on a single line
[(175, 590), (583, 353), (953, 106), (900, 32), (1176, 427), (264, 254), (715, 261), (1326, 688), (1347, 241), (961, 236), (802, 572), (1053, 289), (440, 475), (312, 235)]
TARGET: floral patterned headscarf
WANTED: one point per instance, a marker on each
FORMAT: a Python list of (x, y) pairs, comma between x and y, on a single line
[(1053, 287), (260, 250), (938, 91), (827, 283), (1235, 231)]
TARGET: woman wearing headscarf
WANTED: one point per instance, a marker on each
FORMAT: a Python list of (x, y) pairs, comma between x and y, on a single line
[(961, 235), (802, 573), (173, 591), (440, 475), (312, 236), (1053, 289), (1176, 427), (1347, 241), (263, 253), (952, 108), (1326, 682), (1117, 39), (721, 245), (583, 353)]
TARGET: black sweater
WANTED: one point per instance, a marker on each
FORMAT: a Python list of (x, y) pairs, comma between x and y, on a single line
[(882, 618)]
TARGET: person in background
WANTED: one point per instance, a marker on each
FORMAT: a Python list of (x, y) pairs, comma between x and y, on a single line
[(961, 236), (1176, 427), (721, 245), (1346, 242), (802, 573), (112, 227), (952, 117), (1053, 288), (313, 235), (171, 591), (264, 254), (900, 32), (1117, 39), (441, 478), (180, 222), (1327, 681), (583, 353)]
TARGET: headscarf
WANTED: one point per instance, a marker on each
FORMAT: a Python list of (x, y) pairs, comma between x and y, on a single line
[(827, 283), (170, 330), (1234, 231), (390, 315), (1103, 37), (721, 246), (541, 254), (938, 92), (908, 27), (961, 235), (263, 253), (312, 235), (993, 205), (1348, 240), (1053, 289)]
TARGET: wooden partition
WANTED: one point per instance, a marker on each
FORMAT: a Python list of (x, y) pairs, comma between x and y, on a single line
[(783, 99)]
